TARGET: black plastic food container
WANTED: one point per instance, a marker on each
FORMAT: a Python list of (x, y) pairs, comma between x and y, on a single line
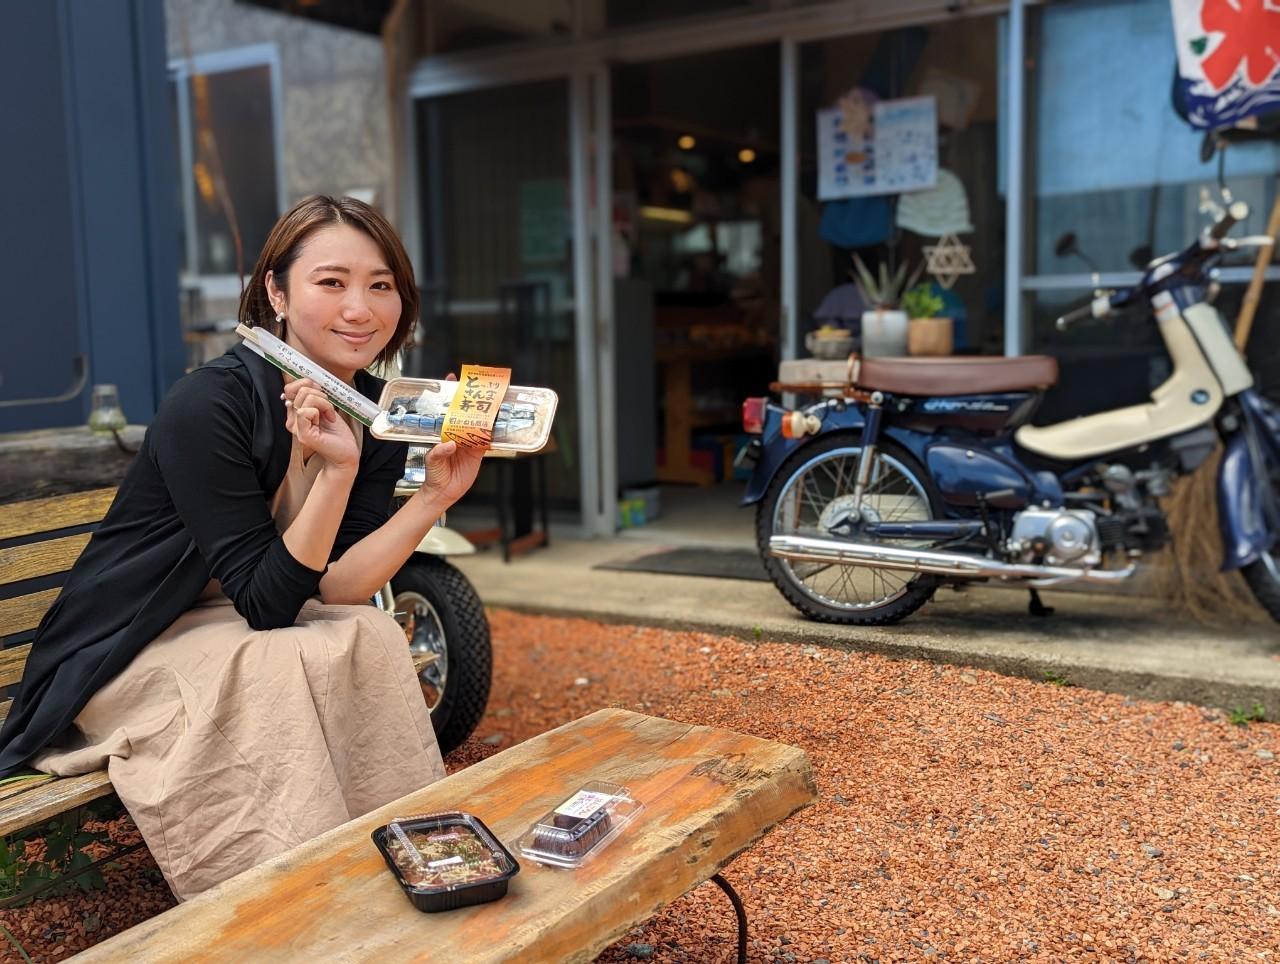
[(481, 879)]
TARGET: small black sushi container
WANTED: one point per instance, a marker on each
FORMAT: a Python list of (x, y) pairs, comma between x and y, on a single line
[(472, 866), (580, 826)]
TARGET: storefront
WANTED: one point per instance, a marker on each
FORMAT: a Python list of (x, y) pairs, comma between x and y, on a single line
[(626, 201)]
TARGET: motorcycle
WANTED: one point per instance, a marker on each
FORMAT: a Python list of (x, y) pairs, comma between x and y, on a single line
[(923, 472), (443, 621)]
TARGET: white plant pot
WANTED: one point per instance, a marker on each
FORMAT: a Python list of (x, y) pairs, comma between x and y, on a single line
[(884, 333)]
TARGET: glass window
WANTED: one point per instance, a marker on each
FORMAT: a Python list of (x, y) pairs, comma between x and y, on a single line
[(497, 273), (1114, 163), (233, 165), (955, 63)]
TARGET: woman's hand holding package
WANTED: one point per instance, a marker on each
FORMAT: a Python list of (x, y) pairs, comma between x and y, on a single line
[(451, 469), (313, 420)]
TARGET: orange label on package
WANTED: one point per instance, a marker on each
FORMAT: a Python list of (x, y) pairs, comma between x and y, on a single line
[(474, 406)]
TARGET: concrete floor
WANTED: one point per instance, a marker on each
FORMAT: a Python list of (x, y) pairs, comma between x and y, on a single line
[(712, 516), (1112, 642)]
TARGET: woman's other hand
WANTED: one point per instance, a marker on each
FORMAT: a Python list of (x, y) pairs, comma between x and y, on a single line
[(311, 418)]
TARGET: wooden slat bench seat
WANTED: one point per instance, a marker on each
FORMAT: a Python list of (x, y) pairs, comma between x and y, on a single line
[(39, 548), (708, 795), (40, 540)]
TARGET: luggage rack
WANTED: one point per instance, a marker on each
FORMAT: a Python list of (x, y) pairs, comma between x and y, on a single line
[(797, 377)]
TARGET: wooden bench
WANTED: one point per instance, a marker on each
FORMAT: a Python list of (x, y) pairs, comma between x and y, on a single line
[(40, 540), (708, 795)]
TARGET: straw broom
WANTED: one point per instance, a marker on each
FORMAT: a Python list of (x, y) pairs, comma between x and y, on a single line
[(1187, 575)]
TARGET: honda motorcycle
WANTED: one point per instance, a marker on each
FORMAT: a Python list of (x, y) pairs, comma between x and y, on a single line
[(924, 472)]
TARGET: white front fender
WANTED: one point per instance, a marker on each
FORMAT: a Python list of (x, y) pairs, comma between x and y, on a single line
[(441, 541)]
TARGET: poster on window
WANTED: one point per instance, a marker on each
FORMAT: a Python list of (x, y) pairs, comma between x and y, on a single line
[(1228, 60), (868, 147)]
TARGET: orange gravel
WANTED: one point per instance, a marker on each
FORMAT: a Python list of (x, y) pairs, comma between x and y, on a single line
[(963, 815)]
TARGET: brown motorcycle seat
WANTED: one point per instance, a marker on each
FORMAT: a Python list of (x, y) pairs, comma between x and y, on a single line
[(974, 375)]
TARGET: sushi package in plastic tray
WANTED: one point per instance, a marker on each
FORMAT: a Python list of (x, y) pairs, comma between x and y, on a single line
[(414, 410), (480, 408)]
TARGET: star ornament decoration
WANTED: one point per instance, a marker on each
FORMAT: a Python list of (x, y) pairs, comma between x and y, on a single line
[(948, 260)]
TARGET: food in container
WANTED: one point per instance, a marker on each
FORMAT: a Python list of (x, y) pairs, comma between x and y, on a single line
[(413, 410), (446, 860), (581, 825)]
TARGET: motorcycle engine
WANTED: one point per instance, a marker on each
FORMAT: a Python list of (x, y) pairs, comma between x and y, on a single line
[(1055, 537)]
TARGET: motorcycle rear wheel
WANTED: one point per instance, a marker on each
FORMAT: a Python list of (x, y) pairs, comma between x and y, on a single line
[(806, 494)]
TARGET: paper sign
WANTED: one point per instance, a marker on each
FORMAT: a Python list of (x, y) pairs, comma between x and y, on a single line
[(474, 407), (887, 149)]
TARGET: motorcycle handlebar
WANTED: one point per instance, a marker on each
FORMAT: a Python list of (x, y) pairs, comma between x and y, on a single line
[(1098, 307), (1234, 214), (1071, 317)]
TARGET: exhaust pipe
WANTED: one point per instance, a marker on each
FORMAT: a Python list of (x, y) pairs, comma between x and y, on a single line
[(835, 552)]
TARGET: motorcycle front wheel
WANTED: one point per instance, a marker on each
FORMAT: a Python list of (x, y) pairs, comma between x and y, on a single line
[(811, 491), (442, 616), (1263, 577)]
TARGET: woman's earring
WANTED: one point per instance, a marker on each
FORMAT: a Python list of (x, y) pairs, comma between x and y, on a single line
[(280, 321)]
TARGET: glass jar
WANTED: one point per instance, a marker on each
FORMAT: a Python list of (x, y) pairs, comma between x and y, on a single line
[(106, 416)]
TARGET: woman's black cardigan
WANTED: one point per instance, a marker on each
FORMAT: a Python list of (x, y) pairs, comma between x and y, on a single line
[(194, 504)]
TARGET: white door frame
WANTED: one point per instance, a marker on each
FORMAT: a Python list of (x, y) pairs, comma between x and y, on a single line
[(605, 521)]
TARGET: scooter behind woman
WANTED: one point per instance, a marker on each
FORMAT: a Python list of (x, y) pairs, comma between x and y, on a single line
[(444, 622)]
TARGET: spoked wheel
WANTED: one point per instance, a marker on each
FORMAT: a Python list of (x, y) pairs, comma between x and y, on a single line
[(444, 621), (812, 494)]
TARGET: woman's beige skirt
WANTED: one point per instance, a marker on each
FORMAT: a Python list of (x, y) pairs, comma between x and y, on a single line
[(229, 746)]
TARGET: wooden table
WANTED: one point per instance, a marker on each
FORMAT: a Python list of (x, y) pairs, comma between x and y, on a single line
[(708, 795)]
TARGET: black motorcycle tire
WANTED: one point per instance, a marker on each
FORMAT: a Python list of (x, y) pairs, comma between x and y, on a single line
[(469, 666), (1263, 578), (919, 590)]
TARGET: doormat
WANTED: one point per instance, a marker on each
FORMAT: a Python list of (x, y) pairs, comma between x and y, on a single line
[(697, 561)]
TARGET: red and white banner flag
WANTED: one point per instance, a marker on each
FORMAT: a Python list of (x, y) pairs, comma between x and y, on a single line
[(1228, 59)]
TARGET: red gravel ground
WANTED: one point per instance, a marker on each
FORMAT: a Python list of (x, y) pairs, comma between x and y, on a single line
[(963, 815)]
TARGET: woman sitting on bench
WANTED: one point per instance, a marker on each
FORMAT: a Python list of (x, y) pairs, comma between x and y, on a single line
[(214, 648)]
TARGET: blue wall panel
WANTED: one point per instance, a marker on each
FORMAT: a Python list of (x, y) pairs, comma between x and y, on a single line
[(90, 225)]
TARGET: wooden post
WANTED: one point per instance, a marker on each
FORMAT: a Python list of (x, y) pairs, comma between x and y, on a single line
[(1244, 322)]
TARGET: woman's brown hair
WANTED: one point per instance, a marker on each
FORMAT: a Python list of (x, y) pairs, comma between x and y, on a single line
[(286, 240)]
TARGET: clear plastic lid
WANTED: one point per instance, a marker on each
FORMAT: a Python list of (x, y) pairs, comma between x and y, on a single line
[(581, 826), (445, 851), (413, 410)]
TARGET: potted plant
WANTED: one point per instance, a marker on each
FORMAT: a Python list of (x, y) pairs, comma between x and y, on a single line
[(884, 324), (928, 333)]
